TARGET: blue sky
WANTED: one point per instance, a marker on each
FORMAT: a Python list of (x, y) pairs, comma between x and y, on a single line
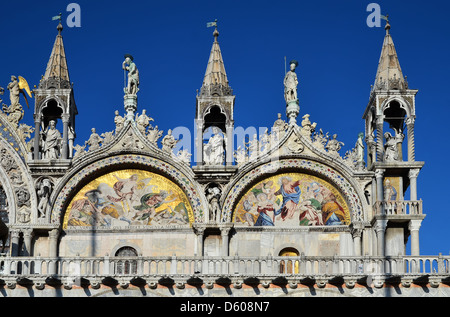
[(337, 52)]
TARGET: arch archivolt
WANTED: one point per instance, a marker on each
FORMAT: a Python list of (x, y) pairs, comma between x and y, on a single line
[(350, 191), (18, 186), (72, 182)]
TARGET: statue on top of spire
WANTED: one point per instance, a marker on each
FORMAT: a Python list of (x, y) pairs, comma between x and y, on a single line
[(290, 93), (291, 83), (133, 75)]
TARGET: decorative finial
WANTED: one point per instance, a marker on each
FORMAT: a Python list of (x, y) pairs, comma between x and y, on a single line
[(388, 26), (213, 24), (59, 27)]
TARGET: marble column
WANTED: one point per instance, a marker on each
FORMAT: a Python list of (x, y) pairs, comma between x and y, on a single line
[(65, 142), (200, 231), (411, 142), (53, 249), (380, 229), (37, 136), (413, 183), (230, 145), (357, 237), (380, 192), (199, 142), (14, 242), (27, 237), (380, 146), (414, 226), (225, 240)]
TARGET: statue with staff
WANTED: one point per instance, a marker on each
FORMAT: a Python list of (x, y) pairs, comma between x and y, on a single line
[(129, 66)]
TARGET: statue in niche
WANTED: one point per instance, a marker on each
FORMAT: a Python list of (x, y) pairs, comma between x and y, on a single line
[(143, 121), (52, 141), (44, 190), (391, 152), (94, 141), (119, 121), (133, 75), (213, 197), (334, 146), (291, 83), (154, 134), (214, 149), (169, 142)]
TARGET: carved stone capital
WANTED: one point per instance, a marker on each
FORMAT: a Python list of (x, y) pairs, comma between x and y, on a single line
[(379, 173), (414, 225), (413, 173)]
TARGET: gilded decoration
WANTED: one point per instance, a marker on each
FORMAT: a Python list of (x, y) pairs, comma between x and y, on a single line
[(292, 199), (129, 198)]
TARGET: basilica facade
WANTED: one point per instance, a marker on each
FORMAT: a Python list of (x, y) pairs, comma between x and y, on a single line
[(285, 213)]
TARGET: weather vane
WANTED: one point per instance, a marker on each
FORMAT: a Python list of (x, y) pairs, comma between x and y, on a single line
[(58, 17), (211, 24)]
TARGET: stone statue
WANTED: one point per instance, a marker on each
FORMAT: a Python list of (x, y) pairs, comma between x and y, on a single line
[(169, 142), (253, 147), (279, 128), (154, 134), (264, 142), (79, 150), (291, 83), (320, 139), (143, 121), (108, 137), (359, 148), (184, 156), (241, 156), (213, 197), (119, 121), (214, 150), (94, 141), (391, 152), (71, 139), (307, 127), (52, 141), (334, 146), (44, 191), (133, 75), (15, 111)]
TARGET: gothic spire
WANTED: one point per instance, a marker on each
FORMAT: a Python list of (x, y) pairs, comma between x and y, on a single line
[(389, 73), (57, 72), (215, 81)]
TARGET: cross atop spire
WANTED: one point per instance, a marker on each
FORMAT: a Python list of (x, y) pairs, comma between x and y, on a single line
[(57, 72), (215, 81), (389, 73)]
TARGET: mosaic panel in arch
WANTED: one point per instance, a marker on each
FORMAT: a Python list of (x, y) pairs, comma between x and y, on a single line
[(129, 198), (292, 199)]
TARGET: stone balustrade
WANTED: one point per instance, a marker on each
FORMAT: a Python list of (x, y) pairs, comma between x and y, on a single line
[(398, 207), (214, 270)]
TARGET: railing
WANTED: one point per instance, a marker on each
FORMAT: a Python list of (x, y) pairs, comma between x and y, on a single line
[(398, 207), (223, 266)]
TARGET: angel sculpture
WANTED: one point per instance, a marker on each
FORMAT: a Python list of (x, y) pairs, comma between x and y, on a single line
[(15, 110)]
